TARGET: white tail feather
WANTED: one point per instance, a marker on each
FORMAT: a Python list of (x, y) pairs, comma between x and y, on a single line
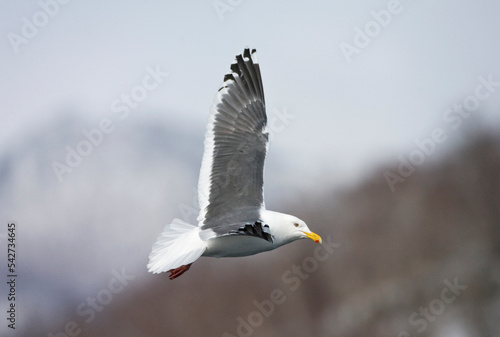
[(179, 244)]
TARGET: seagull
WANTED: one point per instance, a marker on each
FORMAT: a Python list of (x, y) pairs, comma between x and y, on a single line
[(233, 220)]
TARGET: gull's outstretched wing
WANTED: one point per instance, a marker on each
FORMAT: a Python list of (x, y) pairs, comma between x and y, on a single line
[(230, 188)]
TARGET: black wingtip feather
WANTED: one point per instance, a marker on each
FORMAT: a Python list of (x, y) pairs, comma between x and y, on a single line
[(257, 229), (248, 70)]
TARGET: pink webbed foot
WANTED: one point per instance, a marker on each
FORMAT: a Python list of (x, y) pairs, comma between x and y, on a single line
[(174, 273)]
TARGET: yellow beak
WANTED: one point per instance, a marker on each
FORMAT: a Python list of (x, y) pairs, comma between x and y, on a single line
[(313, 236)]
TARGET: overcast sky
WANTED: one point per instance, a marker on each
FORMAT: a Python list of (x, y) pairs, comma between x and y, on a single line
[(361, 79)]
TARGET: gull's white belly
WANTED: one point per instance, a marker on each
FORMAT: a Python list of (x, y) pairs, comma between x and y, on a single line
[(236, 245)]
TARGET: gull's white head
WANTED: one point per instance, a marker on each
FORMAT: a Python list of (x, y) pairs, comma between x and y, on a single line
[(286, 228)]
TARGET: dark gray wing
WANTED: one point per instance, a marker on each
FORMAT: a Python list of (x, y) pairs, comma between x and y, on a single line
[(231, 178)]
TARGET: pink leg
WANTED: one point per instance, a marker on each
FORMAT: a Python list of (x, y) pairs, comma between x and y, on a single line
[(174, 273)]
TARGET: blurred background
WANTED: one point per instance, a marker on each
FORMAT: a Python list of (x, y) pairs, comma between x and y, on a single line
[(385, 126)]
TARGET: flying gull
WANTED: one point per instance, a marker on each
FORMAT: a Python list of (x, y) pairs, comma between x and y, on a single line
[(233, 220)]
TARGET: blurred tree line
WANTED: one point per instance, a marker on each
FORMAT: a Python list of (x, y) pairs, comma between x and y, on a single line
[(423, 260)]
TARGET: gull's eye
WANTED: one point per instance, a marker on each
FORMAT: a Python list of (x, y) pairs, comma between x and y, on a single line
[(296, 224)]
